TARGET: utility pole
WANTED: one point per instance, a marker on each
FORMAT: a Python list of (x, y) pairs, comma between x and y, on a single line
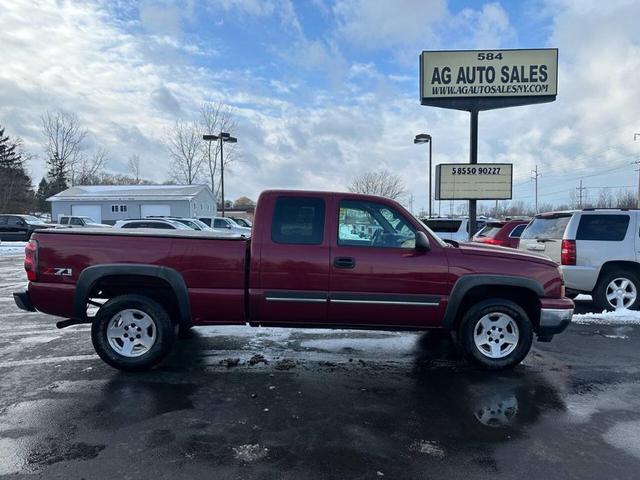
[(637, 162), (534, 176), (580, 190)]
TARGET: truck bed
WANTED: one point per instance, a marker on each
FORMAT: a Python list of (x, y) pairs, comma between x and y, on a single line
[(211, 263)]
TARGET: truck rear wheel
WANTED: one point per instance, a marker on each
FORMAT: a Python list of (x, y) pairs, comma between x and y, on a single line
[(495, 334), (132, 332)]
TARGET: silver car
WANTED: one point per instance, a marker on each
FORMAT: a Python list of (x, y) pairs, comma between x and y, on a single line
[(597, 250), (228, 225)]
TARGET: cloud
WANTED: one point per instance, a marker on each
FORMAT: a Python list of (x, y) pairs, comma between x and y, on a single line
[(166, 102), (375, 25)]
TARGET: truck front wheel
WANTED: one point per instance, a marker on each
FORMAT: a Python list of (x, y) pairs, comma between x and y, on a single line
[(132, 332), (496, 334)]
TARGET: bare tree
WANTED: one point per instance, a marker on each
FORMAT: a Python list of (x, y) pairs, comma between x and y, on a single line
[(215, 118), (605, 199), (63, 144), (134, 166), (185, 149), (626, 199), (382, 183), (88, 169)]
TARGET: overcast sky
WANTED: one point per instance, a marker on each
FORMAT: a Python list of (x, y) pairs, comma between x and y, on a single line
[(325, 90)]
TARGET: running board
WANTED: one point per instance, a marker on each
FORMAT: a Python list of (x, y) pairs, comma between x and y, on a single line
[(72, 321)]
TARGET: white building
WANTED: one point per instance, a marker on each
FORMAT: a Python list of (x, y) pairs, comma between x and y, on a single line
[(109, 203)]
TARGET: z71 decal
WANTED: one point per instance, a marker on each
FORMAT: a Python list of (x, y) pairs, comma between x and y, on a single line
[(60, 271)]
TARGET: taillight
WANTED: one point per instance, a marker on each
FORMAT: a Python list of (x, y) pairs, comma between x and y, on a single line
[(568, 252), (31, 260), (492, 241)]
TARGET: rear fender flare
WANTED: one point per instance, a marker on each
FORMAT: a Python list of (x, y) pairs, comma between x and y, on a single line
[(465, 283), (91, 275)]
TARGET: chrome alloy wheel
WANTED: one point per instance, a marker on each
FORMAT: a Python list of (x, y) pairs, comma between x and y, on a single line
[(496, 335), (131, 333), (621, 293)]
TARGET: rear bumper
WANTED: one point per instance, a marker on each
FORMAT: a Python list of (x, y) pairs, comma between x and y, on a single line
[(23, 301)]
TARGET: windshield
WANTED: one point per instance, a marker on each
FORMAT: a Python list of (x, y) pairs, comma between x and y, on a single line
[(33, 220), (179, 226), (489, 231), (202, 225), (547, 227), (189, 223)]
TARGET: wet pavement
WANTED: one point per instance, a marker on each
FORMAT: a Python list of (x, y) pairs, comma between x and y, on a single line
[(241, 403)]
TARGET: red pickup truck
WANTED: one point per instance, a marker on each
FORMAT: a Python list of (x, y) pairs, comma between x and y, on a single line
[(315, 259)]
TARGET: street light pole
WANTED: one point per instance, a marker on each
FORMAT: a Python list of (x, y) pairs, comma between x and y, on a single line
[(425, 138), (637, 162), (222, 172), (223, 137)]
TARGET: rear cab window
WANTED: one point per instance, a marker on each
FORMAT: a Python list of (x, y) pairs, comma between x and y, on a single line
[(606, 228), (547, 227), (298, 221)]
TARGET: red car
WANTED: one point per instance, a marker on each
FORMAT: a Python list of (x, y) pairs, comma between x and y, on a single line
[(502, 233), (316, 259)]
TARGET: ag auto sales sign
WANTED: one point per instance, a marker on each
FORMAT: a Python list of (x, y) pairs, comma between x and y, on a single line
[(460, 79)]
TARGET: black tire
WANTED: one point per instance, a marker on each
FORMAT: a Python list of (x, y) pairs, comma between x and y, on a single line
[(471, 318), (599, 293), (572, 296), (164, 332)]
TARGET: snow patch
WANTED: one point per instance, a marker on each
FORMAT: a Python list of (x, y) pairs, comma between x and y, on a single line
[(625, 436), (427, 447), (404, 343), (620, 316), (11, 248), (250, 453)]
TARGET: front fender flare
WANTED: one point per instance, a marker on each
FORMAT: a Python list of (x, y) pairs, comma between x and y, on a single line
[(465, 283)]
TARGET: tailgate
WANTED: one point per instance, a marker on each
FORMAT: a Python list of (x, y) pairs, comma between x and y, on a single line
[(543, 236)]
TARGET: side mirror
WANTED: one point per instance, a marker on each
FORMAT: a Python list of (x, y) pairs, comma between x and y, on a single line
[(422, 242)]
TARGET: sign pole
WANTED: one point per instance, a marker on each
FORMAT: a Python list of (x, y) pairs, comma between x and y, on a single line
[(473, 159)]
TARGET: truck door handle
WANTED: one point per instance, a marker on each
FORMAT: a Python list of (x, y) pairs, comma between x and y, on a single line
[(344, 262)]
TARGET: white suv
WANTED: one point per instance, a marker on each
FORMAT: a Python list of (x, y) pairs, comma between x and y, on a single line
[(598, 251)]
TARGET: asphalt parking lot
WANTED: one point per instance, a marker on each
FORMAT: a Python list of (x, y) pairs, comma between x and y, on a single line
[(241, 403)]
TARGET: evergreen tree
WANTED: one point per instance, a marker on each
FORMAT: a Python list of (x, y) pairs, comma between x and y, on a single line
[(41, 196), (9, 154), (16, 192)]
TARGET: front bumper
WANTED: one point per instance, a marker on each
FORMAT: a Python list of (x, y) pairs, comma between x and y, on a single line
[(23, 301), (553, 321)]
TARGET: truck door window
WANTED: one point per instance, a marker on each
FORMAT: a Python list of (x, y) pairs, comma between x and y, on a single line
[(76, 221), (298, 220), (372, 224)]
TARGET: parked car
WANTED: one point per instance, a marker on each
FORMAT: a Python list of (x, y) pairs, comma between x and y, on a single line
[(227, 224), (597, 250), (18, 227), (505, 233), (69, 221), (298, 270), (456, 229), (193, 223), (243, 222), (157, 223)]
